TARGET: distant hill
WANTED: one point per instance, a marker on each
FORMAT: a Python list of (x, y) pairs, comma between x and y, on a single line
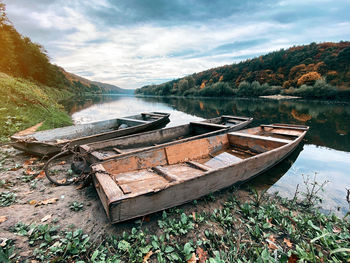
[(94, 86), (20, 57), (314, 70)]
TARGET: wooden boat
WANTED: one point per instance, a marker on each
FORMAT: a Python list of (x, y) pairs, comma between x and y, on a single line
[(161, 178), (50, 142), (114, 148)]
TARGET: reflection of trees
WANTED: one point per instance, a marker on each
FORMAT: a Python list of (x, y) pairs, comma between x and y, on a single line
[(329, 122), (76, 104)]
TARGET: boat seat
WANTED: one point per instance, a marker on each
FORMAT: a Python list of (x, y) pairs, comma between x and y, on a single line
[(153, 114), (222, 160), (170, 177), (259, 137), (291, 127), (209, 124), (132, 120)]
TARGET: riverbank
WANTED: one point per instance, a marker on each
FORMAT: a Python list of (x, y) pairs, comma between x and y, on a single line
[(25, 103), (43, 222)]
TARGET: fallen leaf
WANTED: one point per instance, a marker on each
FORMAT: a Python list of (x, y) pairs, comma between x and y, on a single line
[(194, 216), (288, 243), (41, 175), (27, 163), (272, 240), (146, 218), (3, 219), (62, 163), (29, 171), (33, 202), (193, 258), (47, 201), (33, 159), (293, 258), (62, 181), (40, 164), (3, 242), (15, 168), (45, 218), (80, 186), (336, 229), (202, 255), (146, 258)]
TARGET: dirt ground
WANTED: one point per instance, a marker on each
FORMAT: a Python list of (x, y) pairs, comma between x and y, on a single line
[(39, 202)]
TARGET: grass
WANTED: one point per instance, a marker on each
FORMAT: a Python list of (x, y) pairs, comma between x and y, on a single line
[(266, 228), (24, 104)]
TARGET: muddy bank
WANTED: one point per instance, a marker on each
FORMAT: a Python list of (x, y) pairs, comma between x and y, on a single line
[(37, 201)]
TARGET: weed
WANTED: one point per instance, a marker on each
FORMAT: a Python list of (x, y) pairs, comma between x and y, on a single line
[(7, 198), (76, 206)]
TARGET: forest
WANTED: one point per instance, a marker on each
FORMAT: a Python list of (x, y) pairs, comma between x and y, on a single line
[(311, 71), (22, 58)]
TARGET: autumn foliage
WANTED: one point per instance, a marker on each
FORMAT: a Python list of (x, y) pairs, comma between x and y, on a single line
[(309, 78), (278, 71)]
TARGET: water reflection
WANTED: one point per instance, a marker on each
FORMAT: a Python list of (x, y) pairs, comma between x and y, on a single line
[(327, 144)]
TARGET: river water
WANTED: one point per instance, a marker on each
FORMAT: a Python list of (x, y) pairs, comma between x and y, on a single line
[(324, 154)]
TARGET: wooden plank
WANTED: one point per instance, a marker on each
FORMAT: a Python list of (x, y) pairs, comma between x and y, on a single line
[(152, 114), (259, 137), (164, 173), (132, 120), (209, 124), (199, 166), (125, 188), (291, 127), (118, 150), (222, 160)]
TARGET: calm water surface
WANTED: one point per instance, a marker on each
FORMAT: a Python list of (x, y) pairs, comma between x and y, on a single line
[(325, 152)]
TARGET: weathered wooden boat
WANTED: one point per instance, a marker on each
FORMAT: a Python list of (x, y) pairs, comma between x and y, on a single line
[(50, 142), (164, 177), (114, 148)]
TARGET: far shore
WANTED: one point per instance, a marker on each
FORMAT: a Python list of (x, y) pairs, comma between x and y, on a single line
[(280, 97)]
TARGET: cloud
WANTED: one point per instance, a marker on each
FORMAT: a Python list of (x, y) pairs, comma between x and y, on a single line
[(134, 43)]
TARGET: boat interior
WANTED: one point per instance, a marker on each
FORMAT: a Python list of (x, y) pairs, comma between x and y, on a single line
[(154, 169), (88, 129), (114, 147)]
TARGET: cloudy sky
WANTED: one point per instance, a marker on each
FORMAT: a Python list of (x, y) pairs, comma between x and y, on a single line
[(132, 43)]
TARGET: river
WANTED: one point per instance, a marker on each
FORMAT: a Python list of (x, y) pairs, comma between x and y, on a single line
[(324, 154)]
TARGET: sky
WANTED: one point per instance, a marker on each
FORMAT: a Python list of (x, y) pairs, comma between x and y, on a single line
[(132, 43)]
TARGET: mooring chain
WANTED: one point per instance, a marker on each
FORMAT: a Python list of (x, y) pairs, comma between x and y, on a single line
[(66, 149)]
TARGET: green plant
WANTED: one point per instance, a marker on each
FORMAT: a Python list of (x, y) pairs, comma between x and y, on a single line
[(7, 198), (76, 206)]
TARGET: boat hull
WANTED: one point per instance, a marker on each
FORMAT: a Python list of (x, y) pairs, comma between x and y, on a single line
[(95, 152), (50, 147), (120, 206)]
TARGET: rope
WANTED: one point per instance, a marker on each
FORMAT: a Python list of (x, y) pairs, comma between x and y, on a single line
[(76, 155)]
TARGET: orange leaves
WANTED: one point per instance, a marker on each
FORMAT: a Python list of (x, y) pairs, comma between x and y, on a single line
[(193, 258), (3, 219), (44, 202), (202, 255), (272, 242), (288, 243), (147, 257), (309, 78), (41, 175)]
